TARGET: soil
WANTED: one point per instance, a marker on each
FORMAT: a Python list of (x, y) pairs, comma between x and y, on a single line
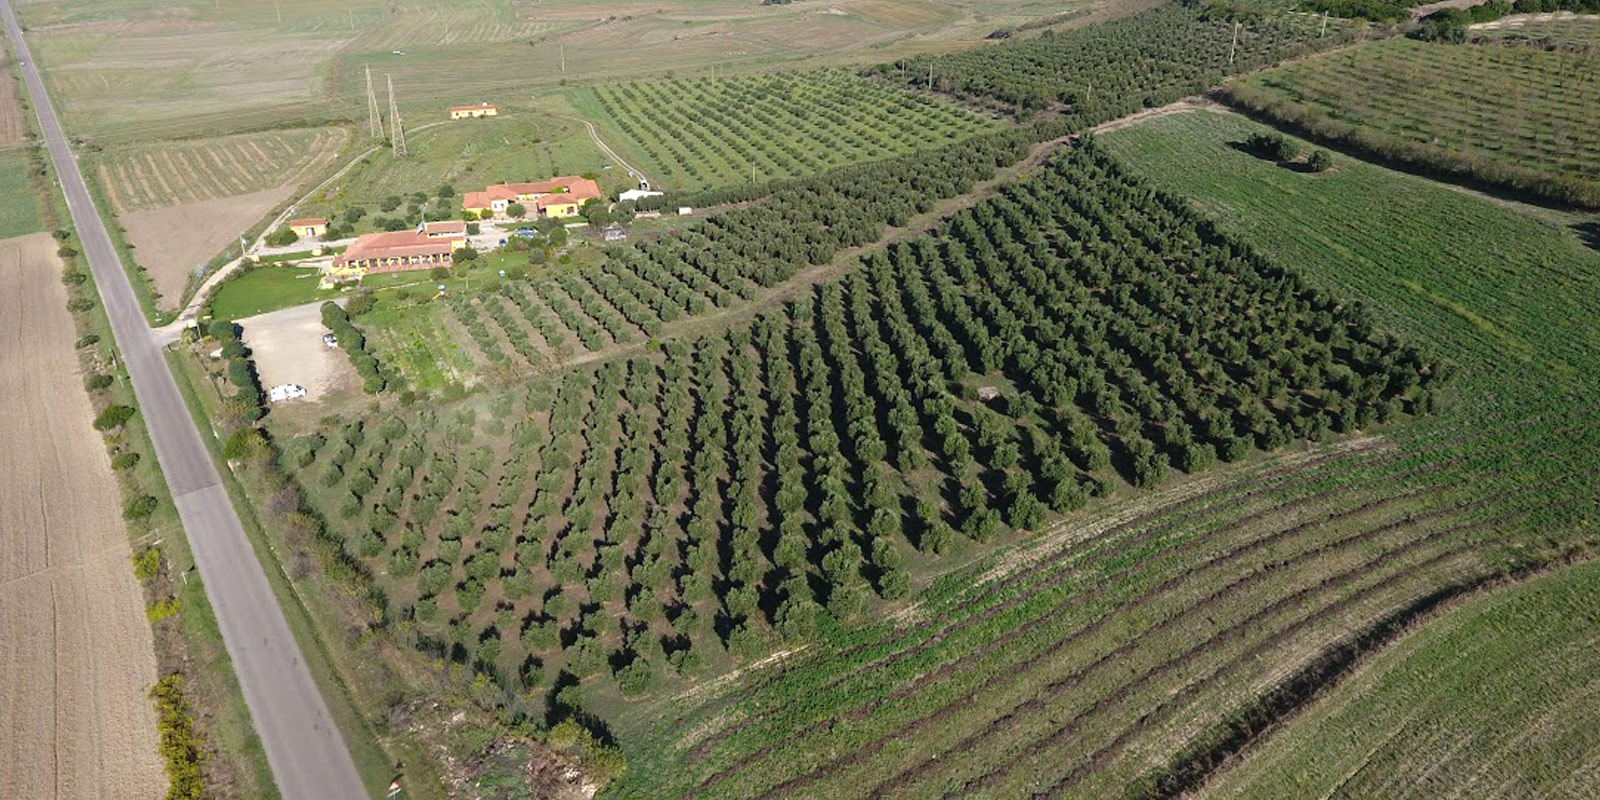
[(76, 657), (287, 348), (172, 240)]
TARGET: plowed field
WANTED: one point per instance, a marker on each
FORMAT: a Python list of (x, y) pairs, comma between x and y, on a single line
[(75, 652)]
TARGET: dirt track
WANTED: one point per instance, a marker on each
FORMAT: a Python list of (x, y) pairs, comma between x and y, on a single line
[(171, 241), (75, 651)]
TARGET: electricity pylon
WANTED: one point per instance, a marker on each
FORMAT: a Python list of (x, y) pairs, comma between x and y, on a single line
[(374, 120), (396, 129)]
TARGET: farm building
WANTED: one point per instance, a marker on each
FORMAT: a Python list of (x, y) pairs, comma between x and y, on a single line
[(445, 229), (309, 227), (474, 112), (557, 197), (396, 251)]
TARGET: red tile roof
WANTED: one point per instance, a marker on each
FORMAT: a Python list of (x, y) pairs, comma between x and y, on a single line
[(568, 186), (445, 227), (395, 244), (308, 222), (473, 108)]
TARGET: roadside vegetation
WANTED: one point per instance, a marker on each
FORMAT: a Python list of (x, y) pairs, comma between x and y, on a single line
[(1518, 118)]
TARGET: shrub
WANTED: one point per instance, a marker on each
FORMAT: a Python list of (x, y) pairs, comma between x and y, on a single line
[(283, 237), (181, 746), (87, 340), (161, 609), (1320, 161), (113, 417), (146, 563), (97, 380), (124, 460), (360, 303), (139, 507), (243, 443), (80, 304)]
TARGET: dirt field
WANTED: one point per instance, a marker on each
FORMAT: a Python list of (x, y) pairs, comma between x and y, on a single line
[(287, 348), (170, 242), (75, 651)]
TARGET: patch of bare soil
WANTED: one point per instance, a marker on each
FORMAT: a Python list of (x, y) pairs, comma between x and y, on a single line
[(287, 348), (172, 240), (76, 657)]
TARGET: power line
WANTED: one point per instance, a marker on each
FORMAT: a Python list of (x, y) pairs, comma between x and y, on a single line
[(374, 120), (396, 128)]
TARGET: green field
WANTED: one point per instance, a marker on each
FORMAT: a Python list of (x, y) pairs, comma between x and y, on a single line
[(692, 134), (19, 204), (1543, 30), (1518, 117), (1491, 701), (193, 170), (266, 289), (1128, 639), (523, 144)]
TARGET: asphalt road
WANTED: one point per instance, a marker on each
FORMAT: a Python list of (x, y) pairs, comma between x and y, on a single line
[(305, 750)]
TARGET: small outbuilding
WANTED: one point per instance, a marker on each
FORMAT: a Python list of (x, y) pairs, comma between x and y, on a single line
[(309, 227), (474, 112)]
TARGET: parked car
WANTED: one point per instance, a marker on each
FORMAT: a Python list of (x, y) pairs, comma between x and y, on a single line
[(286, 391), (330, 340)]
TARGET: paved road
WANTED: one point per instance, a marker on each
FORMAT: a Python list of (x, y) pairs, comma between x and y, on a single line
[(307, 754)]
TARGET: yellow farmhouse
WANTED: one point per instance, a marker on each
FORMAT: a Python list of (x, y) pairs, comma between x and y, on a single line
[(555, 198), (473, 112), (309, 227)]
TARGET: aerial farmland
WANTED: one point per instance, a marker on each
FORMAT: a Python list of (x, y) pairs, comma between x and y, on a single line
[(810, 399)]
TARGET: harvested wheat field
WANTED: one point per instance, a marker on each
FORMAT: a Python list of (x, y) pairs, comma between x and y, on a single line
[(76, 657), (171, 241)]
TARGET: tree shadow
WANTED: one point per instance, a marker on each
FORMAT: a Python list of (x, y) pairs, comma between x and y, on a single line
[(1588, 233)]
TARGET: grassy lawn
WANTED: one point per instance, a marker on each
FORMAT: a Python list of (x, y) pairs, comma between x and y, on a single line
[(266, 289)]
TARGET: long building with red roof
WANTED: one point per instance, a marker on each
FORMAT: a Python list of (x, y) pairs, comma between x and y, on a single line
[(431, 245), (557, 197)]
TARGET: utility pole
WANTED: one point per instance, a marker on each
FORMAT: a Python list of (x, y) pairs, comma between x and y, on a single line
[(563, 48), (1324, 25), (930, 76), (374, 119), (279, 6), (1235, 46), (396, 128)]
